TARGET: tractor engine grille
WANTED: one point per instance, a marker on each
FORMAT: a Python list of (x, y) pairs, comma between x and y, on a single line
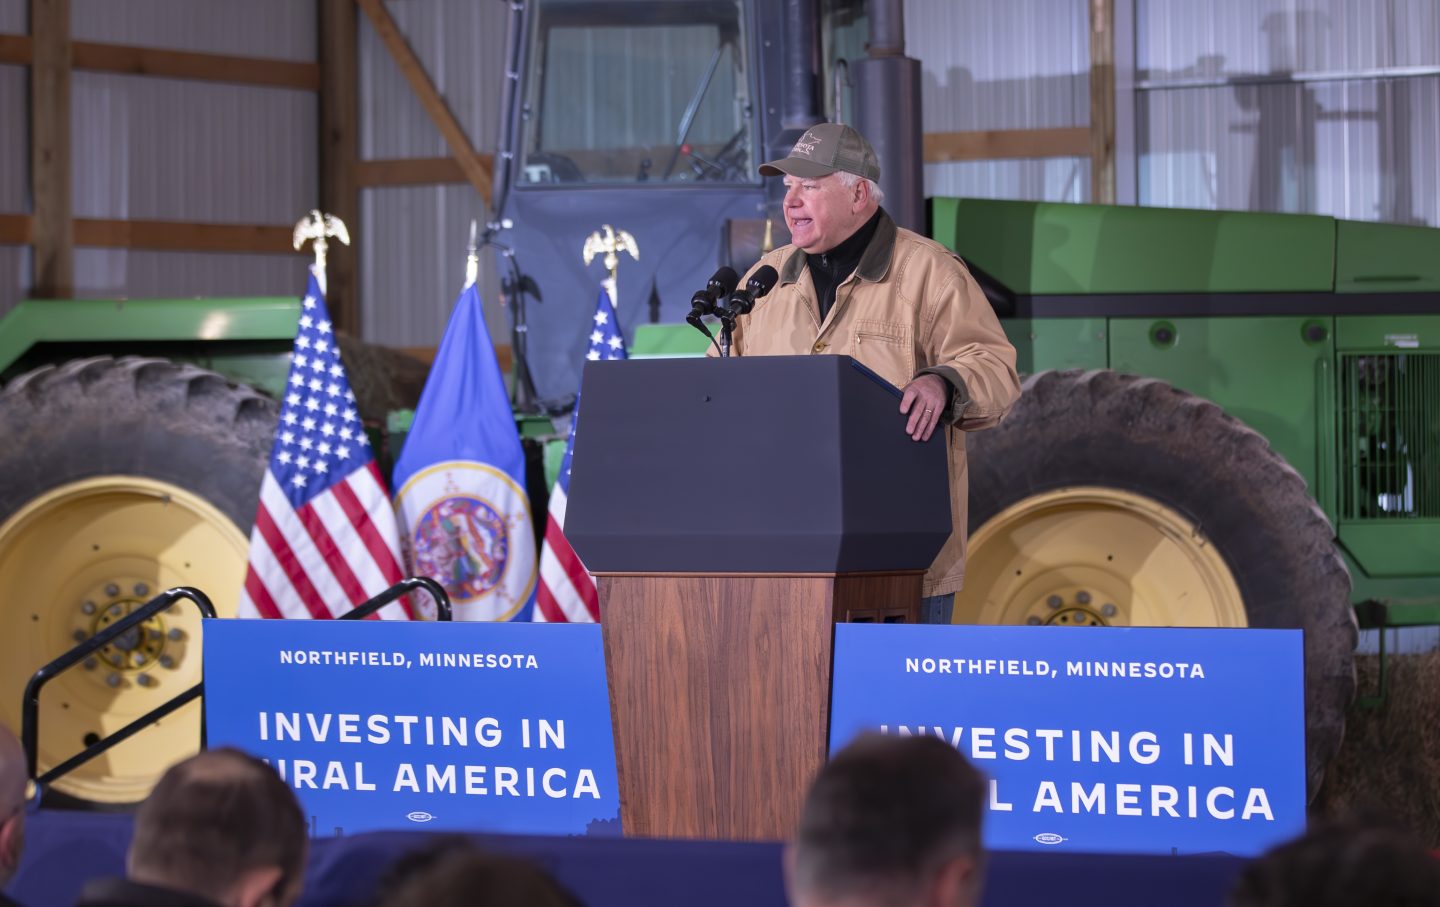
[(1389, 436)]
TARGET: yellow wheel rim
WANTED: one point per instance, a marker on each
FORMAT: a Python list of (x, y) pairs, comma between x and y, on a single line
[(72, 562), (1094, 556)]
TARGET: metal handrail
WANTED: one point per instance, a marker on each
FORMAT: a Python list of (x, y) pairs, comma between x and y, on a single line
[(30, 720), (437, 592)]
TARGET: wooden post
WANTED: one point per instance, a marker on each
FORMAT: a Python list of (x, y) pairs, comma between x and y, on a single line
[(1102, 101), (339, 153), (52, 231)]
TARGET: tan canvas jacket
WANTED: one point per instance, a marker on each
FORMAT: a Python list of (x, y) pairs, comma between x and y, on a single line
[(910, 307)]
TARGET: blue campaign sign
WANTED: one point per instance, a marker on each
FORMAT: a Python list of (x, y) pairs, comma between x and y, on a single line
[(1139, 740), (393, 724)]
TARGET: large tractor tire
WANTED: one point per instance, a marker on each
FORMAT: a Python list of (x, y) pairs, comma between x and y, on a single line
[(120, 478), (1109, 499)]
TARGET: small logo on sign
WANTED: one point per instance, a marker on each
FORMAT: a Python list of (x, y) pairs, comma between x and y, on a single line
[(419, 815), (1049, 837)]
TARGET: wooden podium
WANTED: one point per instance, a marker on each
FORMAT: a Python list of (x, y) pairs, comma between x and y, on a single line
[(733, 511)]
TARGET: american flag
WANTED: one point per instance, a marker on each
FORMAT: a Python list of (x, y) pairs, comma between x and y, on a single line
[(324, 537), (567, 592)]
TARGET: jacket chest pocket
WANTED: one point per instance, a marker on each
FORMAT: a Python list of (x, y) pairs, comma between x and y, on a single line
[(885, 348)]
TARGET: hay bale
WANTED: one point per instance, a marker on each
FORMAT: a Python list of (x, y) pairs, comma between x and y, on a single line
[(1388, 766)]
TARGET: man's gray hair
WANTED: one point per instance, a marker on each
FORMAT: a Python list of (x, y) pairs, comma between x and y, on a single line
[(849, 179)]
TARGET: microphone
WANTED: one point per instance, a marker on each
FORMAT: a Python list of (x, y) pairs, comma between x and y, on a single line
[(742, 301), (721, 284)]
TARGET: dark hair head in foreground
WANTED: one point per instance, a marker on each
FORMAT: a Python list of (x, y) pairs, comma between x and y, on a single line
[(219, 822), (891, 821), (1339, 866), (452, 872)]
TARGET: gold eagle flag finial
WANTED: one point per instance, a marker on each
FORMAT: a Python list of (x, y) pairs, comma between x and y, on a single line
[(317, 226), (610, 242)]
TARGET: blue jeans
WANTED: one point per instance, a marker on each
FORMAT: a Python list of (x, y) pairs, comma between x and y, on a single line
[(937, 609)]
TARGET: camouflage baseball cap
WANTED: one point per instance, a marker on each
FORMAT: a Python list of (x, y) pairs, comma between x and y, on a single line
[(824, 149)]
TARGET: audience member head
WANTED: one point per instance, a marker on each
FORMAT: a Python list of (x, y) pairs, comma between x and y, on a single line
[(12, 804), (455, 873), (1342, 865), (222, 825), (890, 822)]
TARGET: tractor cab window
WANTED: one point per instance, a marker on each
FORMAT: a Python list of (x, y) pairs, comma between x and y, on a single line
[(637, 91)]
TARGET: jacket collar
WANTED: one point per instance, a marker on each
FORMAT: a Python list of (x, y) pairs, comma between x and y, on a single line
[(874, 262)]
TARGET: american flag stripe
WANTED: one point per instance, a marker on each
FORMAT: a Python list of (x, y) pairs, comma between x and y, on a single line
[(367, 508), (359, 565), (367, 504), (255, 599), (315, 525), (285, 533), (286, 575), (568, 588)]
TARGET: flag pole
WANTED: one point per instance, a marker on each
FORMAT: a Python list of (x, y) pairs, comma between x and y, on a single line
[(472, 258)]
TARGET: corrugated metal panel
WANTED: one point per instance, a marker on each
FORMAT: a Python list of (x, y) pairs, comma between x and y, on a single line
[(1361, 150), (14, 18), (145, 274), (283, 29), (988, 65), (1181, 39), (461, 44), (14, 140), (1061, 179), (1016, 65), (1283, 108), (412, 263), (165, 149), (412, 247), (14, 276)]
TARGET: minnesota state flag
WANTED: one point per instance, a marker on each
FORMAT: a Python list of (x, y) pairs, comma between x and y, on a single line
[(464, 516)]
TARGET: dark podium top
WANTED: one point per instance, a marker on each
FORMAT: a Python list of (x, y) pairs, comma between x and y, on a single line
[(773, 464)]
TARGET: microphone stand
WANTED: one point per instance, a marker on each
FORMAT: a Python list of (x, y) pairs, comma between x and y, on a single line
[(727, 330)]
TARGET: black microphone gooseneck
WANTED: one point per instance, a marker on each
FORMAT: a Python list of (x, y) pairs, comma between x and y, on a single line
[(742, 301)]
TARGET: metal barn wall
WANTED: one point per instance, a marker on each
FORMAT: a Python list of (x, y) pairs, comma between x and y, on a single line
[(1321, 106), (166, 149), (1018, 64), (14, 157), (14, 177), (14, 17), (412, 247), (283, 29)]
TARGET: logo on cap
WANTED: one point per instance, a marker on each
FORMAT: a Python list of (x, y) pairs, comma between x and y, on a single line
[(806, 145)]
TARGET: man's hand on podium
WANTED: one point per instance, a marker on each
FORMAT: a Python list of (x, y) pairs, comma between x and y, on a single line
[(924, 399)]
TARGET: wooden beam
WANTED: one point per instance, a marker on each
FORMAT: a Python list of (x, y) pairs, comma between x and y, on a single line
[(415, 171), (174, 64), (450, 128), (14, 229), (183, 237), (51, 229), (177, 64), (15, 49), (339, 153), (1102, 101), (1006, 144)]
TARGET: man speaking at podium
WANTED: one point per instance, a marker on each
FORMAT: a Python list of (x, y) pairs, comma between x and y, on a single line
[(852, 282)]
